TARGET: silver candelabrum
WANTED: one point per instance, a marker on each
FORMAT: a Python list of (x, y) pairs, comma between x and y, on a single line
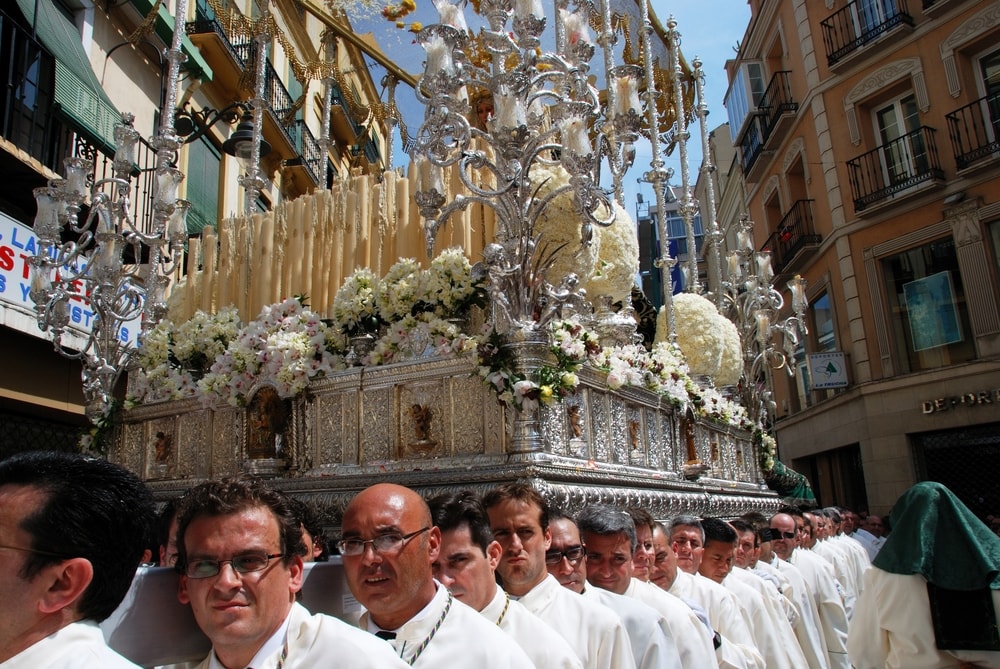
[(106, 270), (545, 113), (749, 299)]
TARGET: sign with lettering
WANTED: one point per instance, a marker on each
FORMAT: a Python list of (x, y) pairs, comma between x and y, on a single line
[(827, 370), (17, 244), (974, 399)]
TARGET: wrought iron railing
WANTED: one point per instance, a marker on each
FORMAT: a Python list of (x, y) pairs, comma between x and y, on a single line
[(777, 100), (795, 231), (859, 23), (309, 150), (893, 167), (752, 144), (205, 25), (975, 130)]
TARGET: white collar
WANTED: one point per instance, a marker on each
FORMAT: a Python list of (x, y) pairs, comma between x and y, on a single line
[(271, 647)]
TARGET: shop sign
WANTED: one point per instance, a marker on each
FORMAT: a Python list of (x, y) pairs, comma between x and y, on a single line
[(979, 398)]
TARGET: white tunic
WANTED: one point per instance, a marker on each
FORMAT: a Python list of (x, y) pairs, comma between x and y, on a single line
[(652, 643), (892, 628), (314, 638), (541, 643), (462, 635), (592, 630), (858, 557), (693, 639), (724, 613), (843, 569), (808, 628), (823, 585), (76, 646), (771, 629)]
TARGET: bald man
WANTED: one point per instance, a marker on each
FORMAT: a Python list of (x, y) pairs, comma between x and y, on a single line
[(389, 544)]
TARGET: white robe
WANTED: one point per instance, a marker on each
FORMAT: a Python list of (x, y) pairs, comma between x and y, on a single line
[(652, 643), (693, 639), (463, 633), (539, 641), (843, 568), (726, 617), (592, 630), (78, 645), (312, 639), (858, 557), (771, 630), (779, 582), (808, 629), (892, 628), (826, 592)]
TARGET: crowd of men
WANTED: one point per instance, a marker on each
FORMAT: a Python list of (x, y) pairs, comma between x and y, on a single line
[(500, 580)]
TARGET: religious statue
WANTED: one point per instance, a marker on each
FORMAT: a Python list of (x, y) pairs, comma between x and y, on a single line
[(421, 416), (267, 422)]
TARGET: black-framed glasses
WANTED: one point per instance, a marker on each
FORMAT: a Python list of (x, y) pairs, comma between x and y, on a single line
[(778, 534), (242, 564), (573, 554), (386, 544), (62, 556)]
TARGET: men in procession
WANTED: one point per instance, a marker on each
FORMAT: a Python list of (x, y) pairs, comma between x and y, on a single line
[(240, 561), (389, 544)]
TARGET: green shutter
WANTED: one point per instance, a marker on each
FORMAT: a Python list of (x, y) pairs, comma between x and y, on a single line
[(202, 183), (164, 28)]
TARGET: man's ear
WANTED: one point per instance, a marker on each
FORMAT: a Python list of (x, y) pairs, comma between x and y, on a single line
[(64, 584), (182, 590), (296, 570), (493, 554)]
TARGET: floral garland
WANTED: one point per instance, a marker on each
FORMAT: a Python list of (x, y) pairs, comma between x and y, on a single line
[(287, 345), (448, 287), (767, 449), (419, 336), (571, 344)]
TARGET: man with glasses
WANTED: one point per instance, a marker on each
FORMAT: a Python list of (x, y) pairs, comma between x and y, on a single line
[(240, 558), (466, 565), (812, 574), (519, 518), (388, 545), (72, 531)]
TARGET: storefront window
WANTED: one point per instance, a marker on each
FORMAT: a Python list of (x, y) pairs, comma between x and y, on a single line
[(930, 320)]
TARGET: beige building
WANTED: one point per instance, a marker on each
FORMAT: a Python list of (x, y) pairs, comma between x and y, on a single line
[(71, 67), (868, 137)]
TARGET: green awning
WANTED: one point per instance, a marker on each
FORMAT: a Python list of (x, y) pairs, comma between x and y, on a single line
[(164, 28), (78, 93)]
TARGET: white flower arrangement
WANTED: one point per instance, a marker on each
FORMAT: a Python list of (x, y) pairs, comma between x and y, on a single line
[(715, 407), (698, 332), (173, 358), (669, 373), (731, 364), (447, 287), (398, 291), (354, 305), (767, 449), (559, 224), (286, 345), (618, 257), (419, 336)]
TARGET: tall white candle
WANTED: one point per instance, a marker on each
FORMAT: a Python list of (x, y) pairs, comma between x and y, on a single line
[(525, 8), (438, 56), (574, 135), (626, 95)]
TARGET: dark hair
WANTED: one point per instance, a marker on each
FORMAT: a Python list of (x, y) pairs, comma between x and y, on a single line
[(687, 521), (93, 509), (757, 519), (641, 517), (450, 511), (794, 511), (718, 530), (164, 519), (522, 492), (309, 519), (555, 513), (605, 520), (741, 526), (833, 513), (233, 495)]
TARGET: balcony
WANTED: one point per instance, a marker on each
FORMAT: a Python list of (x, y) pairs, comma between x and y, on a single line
[(794, 240), (777, 109), (894, 168), (309, 163), (752, 148), (222, 55), (859, 23), (975, 131)]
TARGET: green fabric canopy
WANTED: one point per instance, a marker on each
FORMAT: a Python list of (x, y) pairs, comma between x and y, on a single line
[(934, 534)]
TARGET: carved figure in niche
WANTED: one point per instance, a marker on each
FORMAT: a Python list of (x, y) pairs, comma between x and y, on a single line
[(267, 422), (575, 421), (162, 448), (633, 433), (421, 415), (688, 429)]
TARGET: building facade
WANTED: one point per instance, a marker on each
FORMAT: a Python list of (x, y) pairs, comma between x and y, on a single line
[(867, 137), (72, 67)]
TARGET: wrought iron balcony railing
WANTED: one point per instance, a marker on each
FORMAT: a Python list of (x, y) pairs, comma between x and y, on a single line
[(894, 167), (776, 101), (309, 150), (859, 23), (795, 233), (975, 130), (752, 144)]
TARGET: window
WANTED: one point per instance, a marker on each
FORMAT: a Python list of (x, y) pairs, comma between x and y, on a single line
[(202, 184), (928, 314), (904, 152), (989, 83), (745, 93), (873, 14), (822, 339)]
